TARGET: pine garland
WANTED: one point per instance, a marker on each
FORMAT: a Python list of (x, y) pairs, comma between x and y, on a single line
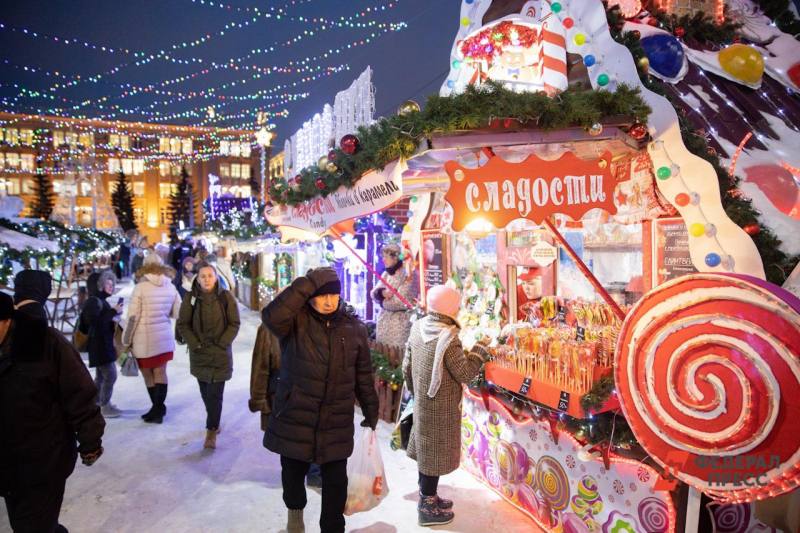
[(599, 394), (399, 136), (384, 369), (777, 264), (699, 27)]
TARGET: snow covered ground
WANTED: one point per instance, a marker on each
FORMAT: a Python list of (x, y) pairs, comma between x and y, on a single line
[(158, 478)]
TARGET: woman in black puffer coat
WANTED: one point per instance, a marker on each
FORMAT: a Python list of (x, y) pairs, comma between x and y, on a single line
[(325, 366), (98, 320)]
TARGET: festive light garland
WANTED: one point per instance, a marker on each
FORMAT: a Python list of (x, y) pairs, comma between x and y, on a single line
[(399, 136)]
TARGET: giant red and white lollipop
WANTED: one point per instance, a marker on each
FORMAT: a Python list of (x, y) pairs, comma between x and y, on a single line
[(708, 372)]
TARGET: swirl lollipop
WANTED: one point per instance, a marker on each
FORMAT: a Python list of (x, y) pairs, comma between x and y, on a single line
[(552, 482), (707, 371), (730, 518), (653, 515)]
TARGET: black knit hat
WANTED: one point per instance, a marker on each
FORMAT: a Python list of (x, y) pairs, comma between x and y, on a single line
[(6, 306), (332, 287), (32, 285)]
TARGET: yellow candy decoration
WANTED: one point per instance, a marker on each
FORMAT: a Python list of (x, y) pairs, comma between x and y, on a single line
[(742, 62), (697, 229)]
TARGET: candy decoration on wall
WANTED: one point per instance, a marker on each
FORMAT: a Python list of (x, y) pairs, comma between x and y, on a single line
[(628, 8), (587, 504), (653, 515), (707, 371), (665, 54), (620, 523), (730, 518), (552, 482), (743, 62)]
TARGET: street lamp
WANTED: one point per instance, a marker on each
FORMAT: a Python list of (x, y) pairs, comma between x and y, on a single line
[(263, 138)]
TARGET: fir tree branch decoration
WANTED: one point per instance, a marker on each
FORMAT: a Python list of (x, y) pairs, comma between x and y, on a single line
[(399, 136), (780, 11), (43, 195), (122, 201)]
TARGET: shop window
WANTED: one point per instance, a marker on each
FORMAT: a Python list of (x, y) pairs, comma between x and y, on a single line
[(186, 146), (138, 189)]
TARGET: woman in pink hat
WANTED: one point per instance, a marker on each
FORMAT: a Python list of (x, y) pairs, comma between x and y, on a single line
[(435, 366)]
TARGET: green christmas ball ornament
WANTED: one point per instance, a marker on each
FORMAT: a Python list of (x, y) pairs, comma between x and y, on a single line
[(555, 7), (663, 173), (602, 80)]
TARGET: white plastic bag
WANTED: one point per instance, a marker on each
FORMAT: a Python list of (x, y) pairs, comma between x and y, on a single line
[(366, 480)]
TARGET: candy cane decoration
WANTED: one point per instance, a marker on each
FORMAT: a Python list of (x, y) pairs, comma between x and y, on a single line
[(707, 372), (738, 152), (552, 53)]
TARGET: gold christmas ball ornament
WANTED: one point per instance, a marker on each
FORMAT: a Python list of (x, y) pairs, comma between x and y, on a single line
[(395, 386), (644, 62), (331, 167), (322, 162), (409, 106)]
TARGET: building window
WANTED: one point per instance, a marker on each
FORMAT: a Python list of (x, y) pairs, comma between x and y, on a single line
[(27, 186), (138, 189), (58, 138), (165, 190), (122, 142), (85, 188), (236, 149), (12, 136), (113, 165), (245, 190), (224, 170), (58, 186), (138, 167), (138, 216), (224, 148), (163, 145), (175, 145), (86, 140), (245, 172), (12, 160), (26, 137), (236, 170), (245, 149), (186, 146), (176, 170), (165, 217), (10, 186), (163, 168), (26, 162), (71, 139), (127, 166)]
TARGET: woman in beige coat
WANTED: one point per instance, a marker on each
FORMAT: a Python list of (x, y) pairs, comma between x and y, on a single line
[(435, 367)]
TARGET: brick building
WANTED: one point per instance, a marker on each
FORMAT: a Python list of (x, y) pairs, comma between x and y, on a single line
[(84, 157)]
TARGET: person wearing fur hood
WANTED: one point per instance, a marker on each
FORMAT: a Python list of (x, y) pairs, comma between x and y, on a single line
[(149, 332)]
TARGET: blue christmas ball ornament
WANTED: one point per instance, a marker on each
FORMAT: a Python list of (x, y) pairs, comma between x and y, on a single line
[(589, 60), (665, 54), (713, 259), (329, 246)]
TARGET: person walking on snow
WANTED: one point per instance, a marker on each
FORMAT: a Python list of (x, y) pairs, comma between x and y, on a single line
[(48, 409), (208, 322), (325, 367), (99, 319), (434, 367), (149, 334)]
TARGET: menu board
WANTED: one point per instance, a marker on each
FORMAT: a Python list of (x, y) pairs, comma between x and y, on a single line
[(433, 259), (671, 250)]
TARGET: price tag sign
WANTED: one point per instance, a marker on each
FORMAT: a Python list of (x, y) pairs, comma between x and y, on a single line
[(580, 334), (525, 387), (563, 401)]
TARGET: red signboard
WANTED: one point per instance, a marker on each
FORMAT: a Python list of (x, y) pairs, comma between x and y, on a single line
[(500, 192)]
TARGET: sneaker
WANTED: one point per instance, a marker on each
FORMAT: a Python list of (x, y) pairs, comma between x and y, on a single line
[(110, 410), (430, 514)]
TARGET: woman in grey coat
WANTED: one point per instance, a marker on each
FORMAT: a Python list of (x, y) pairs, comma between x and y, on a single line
[(435, 367), (393, 322)]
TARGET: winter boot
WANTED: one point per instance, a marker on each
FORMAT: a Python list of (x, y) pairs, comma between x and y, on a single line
[(444, 504), (211, 439), (110, 410), (295, 523), (159, 410), (151, 391), (430, 514)]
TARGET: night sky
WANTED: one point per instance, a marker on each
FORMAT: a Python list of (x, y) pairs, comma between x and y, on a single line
[(410, 63)]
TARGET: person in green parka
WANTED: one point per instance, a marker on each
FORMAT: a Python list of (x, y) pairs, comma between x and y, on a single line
[(208, 322)]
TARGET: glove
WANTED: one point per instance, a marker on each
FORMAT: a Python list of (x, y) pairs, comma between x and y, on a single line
[(367, 424), (321, 276), (89, 458)]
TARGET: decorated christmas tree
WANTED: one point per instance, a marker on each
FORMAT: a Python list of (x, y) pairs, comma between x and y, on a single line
[(122, 201), (44, 197), (182, 202)]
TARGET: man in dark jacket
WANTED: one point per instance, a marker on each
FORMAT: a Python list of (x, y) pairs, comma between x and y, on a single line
[(325, 367), (47, 403)]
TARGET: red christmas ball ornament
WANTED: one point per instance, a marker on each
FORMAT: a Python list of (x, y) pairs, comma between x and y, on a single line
[(509, 123), (652, 21), (320, 184), (636, 34), (752, 229), (794, 74), (332, 155), (638, 131), (349, 144), (679, 32), (682, 199), (568, 22)]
